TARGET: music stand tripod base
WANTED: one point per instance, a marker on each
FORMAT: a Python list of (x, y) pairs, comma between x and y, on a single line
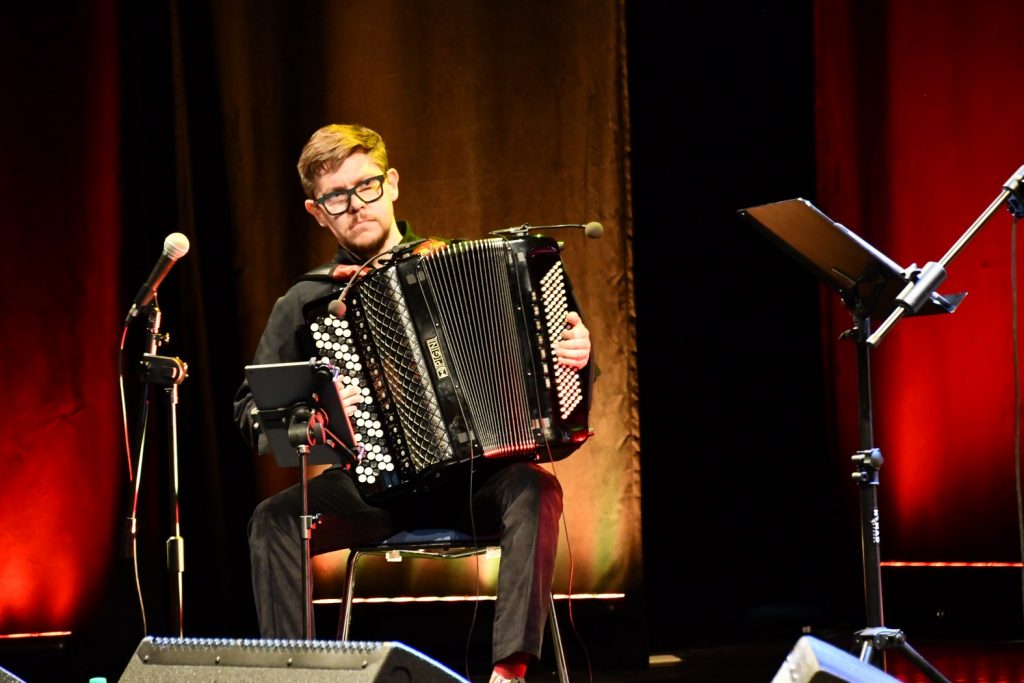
[(881, 639)]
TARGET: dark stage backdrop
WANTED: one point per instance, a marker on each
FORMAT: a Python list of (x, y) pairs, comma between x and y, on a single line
[(746, 532)]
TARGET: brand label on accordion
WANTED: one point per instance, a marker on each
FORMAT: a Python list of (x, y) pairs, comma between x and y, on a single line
[(435, 356)]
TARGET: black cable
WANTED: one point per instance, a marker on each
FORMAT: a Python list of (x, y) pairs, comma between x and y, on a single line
[(132, 521), (1016, 394)]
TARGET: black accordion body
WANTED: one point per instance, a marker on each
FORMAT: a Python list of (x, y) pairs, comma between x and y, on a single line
[(452, 351)]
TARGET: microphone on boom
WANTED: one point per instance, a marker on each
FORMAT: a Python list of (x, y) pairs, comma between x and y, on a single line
[(593, 229), (175, 246)]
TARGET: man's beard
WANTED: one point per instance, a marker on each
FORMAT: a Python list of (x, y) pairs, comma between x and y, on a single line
[(368, 251)]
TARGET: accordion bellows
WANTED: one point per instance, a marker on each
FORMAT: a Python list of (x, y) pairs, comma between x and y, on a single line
[(453, 354)]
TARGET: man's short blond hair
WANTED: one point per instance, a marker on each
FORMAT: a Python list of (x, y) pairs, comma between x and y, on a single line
[(328, 148)]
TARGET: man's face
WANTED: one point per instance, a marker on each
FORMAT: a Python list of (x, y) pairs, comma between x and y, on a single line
[(366, 229)]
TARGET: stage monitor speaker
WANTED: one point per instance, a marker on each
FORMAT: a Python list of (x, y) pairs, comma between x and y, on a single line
[(7, 677), (215, 659), (815, 661)]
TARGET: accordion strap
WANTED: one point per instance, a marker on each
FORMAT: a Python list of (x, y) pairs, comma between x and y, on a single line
[(343, 272), (330, 272)]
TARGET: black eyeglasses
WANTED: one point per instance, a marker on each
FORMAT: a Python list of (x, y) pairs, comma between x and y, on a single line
[(337, 202)]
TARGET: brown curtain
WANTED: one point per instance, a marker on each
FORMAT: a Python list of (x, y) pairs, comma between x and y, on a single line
[(495, 114)]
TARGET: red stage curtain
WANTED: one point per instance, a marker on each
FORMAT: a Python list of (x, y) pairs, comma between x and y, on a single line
[(60, 445), (917, 118)]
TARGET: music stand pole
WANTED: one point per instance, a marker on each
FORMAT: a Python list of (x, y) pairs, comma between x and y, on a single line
[(307, 524), (874, 640), (867, 461), (294, 404), (302, 435)]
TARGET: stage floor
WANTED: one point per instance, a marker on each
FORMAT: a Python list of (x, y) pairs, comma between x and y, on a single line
[(959, 662)]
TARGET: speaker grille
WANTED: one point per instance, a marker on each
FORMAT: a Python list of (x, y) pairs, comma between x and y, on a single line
[(209, 659)]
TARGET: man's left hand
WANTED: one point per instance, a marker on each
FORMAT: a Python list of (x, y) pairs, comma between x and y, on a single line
[(574, 348)]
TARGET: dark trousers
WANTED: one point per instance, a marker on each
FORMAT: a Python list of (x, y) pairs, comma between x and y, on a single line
[(522, 501)]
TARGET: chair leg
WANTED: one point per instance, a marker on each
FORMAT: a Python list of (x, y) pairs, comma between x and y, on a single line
[(556, 641), (345, 614)]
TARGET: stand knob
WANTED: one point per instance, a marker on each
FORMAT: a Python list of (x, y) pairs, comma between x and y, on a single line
[(867, 462)]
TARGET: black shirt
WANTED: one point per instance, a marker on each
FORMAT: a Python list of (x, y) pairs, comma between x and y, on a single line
[(286, 337)]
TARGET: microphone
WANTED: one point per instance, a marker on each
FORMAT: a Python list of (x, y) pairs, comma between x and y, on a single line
[(336, 308), (593, 229), (175, 246)]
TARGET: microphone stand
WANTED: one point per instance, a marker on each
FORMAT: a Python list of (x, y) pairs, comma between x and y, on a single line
[(168, 372), (522, 230), (922, 282), (592, 229), (919, 289)]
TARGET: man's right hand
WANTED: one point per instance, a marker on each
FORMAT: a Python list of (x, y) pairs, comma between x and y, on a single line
[(350, 396)]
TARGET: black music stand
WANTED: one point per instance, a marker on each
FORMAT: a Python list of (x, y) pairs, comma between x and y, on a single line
[(869, 283), (300, 413)]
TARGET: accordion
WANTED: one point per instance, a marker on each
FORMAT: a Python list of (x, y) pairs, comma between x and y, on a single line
[(452, 351)]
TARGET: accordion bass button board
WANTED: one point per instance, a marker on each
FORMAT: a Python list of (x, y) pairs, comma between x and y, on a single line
[(453, 352)]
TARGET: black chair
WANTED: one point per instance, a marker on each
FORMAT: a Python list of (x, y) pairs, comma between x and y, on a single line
[(439, 544)]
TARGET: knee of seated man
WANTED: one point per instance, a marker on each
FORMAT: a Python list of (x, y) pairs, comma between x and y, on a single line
[(533, 480), (272, 513)]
